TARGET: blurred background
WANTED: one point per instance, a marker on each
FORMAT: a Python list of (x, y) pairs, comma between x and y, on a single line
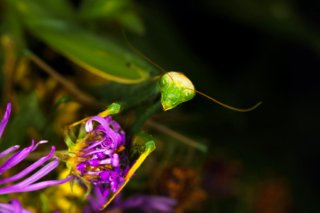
[(239, 52)]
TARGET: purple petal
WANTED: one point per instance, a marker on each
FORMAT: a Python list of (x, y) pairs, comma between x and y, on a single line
[(33, 187), (19, 156), (5, 119), (96, 143), (17, 208), (163, 204), (105, 151), (9, 150), (149, 203), (14, 207), (99, 200), (105, 175), (16, 158), (99, 195), (39, 174), (29, 169), (94, 162), (115, 160), (87, 208), (81, 167), (115, 126), (45, 184), (100, 120)]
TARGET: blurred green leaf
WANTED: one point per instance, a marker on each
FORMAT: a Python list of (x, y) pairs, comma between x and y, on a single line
[(29, 116), (118, 10), (92, 9), (132, 21), (12, 30), (98, 55), (37, 9)]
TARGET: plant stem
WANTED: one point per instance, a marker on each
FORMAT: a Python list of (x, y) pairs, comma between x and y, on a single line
[(176, 135), (69, 86)]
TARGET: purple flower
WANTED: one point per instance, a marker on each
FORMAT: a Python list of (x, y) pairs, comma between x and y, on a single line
[(13, 206), (29, 183), (99, 157), (102, 158)]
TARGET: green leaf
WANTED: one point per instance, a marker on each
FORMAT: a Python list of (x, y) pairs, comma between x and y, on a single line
[(98, 55), (175, 89)]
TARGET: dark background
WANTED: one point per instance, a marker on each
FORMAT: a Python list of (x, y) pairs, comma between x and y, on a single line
[(240, 58)]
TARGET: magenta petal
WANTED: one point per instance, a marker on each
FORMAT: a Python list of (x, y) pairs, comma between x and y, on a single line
[(5, 119), (9, 150), (39, 174), (29, 168)]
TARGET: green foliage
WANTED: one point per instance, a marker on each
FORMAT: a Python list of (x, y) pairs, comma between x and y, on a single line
[(28, 118), (112, 10)]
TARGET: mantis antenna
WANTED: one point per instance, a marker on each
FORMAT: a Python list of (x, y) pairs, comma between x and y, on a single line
[(138, 52)]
